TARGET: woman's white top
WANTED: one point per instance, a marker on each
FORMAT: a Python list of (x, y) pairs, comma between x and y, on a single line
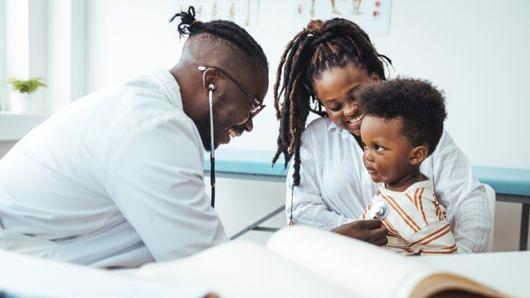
[(113, 179), (335, 187)]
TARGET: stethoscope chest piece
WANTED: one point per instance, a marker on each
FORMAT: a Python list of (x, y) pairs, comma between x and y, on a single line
[(378, 210)]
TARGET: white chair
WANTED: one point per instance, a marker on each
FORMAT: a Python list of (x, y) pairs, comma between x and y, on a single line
[(490, 194)]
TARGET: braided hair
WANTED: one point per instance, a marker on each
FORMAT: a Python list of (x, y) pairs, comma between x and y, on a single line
[(320, 46), (224, 30)]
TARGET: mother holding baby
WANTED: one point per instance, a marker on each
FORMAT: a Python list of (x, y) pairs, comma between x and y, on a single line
[(328, 187)]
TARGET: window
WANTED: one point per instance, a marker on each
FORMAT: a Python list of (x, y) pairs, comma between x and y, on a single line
[(43, 39)]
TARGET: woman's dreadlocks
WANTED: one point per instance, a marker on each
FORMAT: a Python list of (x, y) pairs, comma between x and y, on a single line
[(318, 47)]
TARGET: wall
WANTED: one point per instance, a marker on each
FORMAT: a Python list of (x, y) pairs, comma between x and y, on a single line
[(65, 50), (474, 50), (125, 39)]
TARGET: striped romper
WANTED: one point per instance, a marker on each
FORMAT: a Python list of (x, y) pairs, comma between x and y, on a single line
[(415, 220)]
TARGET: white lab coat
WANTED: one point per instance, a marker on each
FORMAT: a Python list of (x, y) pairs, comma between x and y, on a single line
[(335, 186), (113, 179)]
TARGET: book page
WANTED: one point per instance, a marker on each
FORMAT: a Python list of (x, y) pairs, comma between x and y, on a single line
[(243, 269), (26, 276), (356, 265)]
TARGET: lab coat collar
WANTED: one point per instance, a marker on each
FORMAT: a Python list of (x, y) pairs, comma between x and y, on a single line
[(170, 87)]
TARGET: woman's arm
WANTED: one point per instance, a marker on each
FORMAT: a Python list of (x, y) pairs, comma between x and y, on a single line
[(463, 196), (307, 206), (309, 209)]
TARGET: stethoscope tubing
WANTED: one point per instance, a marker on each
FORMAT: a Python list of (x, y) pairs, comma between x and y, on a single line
[(212, 150)]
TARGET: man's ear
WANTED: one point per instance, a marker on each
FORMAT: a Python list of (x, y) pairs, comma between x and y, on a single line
[(209, 79), (418, 154)]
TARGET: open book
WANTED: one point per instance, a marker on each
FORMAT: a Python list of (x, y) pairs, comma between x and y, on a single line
[(304, 262), (24, 276)]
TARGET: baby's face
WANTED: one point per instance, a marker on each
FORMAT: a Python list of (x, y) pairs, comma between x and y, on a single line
[(387, 152)]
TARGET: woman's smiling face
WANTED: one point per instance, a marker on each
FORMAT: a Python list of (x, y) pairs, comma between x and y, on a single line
[(337, 89)]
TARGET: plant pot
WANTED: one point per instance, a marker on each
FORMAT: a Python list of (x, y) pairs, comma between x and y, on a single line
[(25, 103)]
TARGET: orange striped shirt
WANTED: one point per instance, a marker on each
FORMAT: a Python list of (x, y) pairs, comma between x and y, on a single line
[(416, 220)]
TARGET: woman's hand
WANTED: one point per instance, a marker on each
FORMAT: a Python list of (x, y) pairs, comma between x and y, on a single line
[(366, 230)]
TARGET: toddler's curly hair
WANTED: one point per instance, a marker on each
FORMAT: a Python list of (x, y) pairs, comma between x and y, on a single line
[(417, 102)]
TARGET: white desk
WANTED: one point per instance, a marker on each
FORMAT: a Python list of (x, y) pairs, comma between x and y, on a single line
[(22, 276), (506, 271)]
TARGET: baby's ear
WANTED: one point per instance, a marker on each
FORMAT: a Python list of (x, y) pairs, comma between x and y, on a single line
[(375, 78), (418, 154)]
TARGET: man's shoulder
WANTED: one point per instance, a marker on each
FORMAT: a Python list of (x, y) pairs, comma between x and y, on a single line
[(146, 84), (140, 109), (157, 120), (146, 102)]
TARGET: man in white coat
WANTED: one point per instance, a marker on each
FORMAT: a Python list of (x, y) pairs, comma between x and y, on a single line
[(115, 179)]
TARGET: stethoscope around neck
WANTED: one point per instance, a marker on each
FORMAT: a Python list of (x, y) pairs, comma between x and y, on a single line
[(211, 88)]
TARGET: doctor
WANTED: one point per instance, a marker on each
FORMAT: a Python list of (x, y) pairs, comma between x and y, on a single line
[(115, 179)]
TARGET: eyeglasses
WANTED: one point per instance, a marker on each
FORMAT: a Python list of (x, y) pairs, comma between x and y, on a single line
[(256, 105)]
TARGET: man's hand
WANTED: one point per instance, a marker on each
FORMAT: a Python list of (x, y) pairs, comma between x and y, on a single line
[(366, 230)]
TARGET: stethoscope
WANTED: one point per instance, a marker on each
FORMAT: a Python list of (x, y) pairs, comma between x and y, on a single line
[(211, 88), (378, 210)]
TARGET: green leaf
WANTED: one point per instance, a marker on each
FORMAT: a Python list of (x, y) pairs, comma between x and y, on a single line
[(27, 86)]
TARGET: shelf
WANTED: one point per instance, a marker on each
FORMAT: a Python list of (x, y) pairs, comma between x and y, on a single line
[(15, 126)]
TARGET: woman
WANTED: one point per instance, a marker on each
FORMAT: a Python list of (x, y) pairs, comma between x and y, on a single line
[(321, 71)]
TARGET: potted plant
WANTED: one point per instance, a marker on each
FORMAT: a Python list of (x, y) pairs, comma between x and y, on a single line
[(22, 96)]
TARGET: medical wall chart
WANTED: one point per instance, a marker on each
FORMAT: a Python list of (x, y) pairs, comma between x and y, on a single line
[(372, 15), (243, 12)]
